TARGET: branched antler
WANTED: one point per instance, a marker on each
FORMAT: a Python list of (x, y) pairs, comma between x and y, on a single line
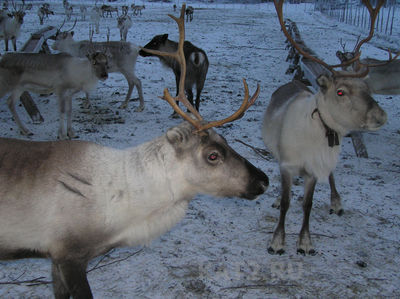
[(179, 55), (357, 53)]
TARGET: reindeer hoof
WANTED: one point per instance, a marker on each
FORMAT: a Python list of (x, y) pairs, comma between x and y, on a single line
[(276, 204), (175, 115), (339, 212), (303, 252), (272, 251), (26, 133), (139, 109)]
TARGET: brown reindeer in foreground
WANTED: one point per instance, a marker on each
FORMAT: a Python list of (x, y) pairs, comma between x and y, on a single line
[(71, 201)]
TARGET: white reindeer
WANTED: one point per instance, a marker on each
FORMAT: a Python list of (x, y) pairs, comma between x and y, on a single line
[(97, 198), (124, 24), (62, 74), (83, 10), (10, 26), (121, 58), (95, 15), (304, 131), (68, 11)]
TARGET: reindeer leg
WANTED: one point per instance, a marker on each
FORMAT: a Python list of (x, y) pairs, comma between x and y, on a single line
[(304, 245), (73, 277), (278, 239), (336, 205), (70, 132), (14, 42), (6, 43), (198, 93), (86, 102), (11, 105), (133, 81), (189, 93), (177, 78), (59, 288), (61, 108)]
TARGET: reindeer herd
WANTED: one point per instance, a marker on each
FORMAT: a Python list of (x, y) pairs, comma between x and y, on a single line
[(99, 198)]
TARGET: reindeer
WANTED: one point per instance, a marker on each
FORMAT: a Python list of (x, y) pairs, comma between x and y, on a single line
[(196, 62), (108, 10), (10, 26), (383, 77), (83, 10), (124, 24), (304, 130), (97, 198), (95, 15), (44, 12), (189, 13), (125, 9), (68, 11), (65, 4), (121, 59), (137, 9), (62, 74)]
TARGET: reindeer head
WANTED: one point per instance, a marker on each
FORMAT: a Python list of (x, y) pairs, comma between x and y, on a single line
[(99, 62), (156, 43)]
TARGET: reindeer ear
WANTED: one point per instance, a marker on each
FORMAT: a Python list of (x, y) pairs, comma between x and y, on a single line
[(324, 82), (164, 37), (178, 137)]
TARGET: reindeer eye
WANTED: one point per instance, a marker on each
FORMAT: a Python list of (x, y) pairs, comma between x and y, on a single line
[(340, 93), (213, 157)]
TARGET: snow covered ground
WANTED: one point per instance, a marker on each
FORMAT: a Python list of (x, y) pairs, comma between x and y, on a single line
[(220, 247)]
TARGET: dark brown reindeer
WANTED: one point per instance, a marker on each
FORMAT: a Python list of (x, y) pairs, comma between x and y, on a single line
[(304, 131), (71, 201), (196, 63), (189, 13)]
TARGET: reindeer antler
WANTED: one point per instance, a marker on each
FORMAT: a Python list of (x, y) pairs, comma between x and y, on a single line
[(180, 57), (373, 15)]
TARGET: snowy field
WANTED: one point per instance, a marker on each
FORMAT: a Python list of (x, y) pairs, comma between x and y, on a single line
[(219, 250)]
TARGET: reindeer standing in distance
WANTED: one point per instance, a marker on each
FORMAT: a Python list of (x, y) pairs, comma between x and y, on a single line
[(83, 10), (196, 63), (137, 9), (304, 131), (62, 74), (44, 12), (121, 55), (108, 10), (189, 13), (98, 198), (124, 23), (10, 25), (95, 15)]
